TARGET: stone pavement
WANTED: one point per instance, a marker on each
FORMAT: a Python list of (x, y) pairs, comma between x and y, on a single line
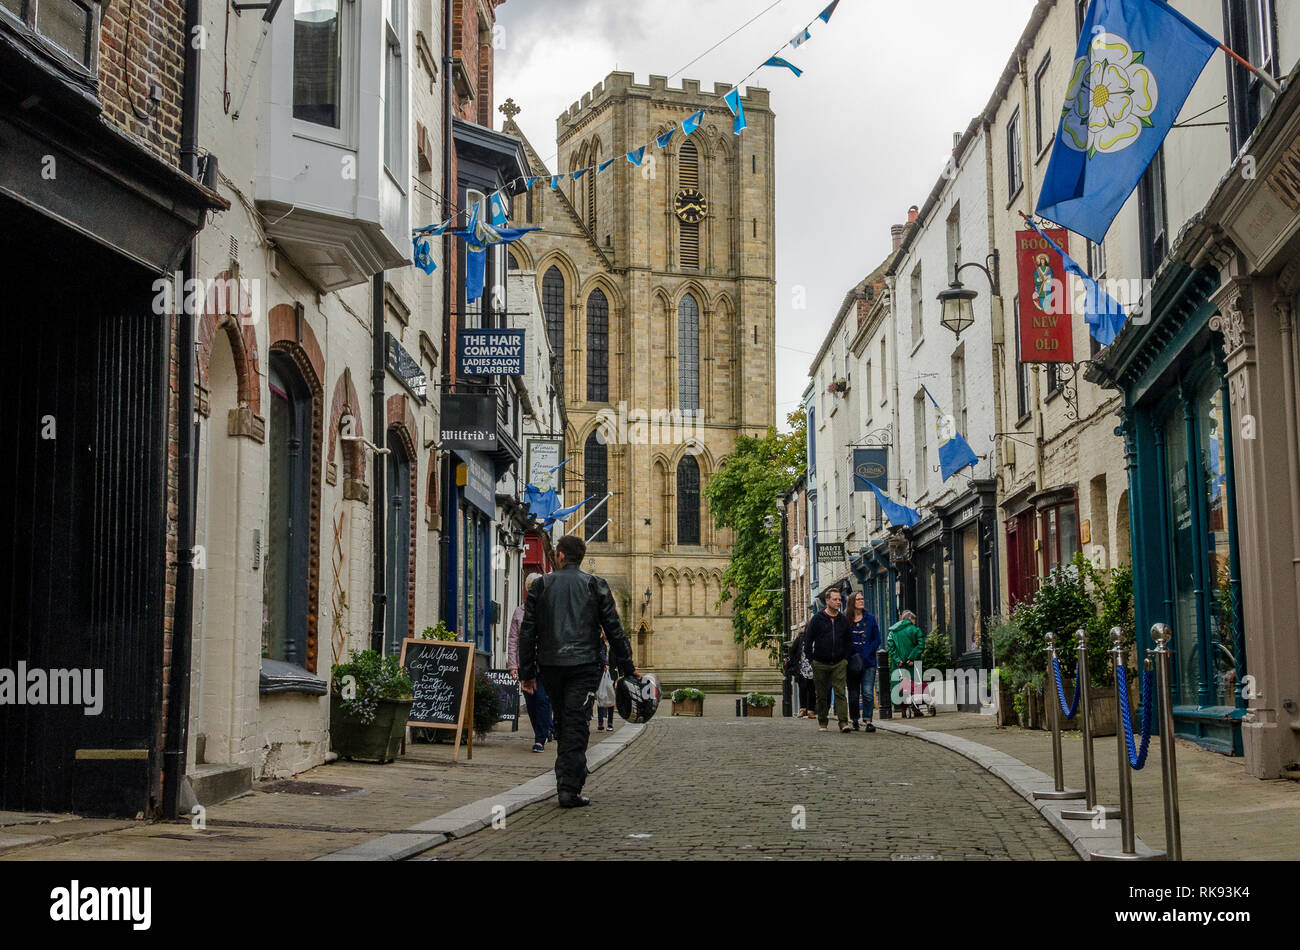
[(1226, 815), (724, 788), (323, 811)]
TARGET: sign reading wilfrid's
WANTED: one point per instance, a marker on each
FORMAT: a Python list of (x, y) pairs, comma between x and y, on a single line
[(469, 422), (490, 353)]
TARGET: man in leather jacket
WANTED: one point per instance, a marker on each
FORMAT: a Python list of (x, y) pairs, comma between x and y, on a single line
[(560, 636)]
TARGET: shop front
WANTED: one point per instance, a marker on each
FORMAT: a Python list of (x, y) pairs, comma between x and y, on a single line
[(1178, 445), (877, 581)]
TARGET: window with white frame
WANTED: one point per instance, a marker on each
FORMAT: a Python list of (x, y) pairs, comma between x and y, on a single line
[(866, 387), (71, 27), (395, 89), (1042, 114), (918, 302), (919, 436), (959, 388), (884, 391), (1015, 158), (318, 44)]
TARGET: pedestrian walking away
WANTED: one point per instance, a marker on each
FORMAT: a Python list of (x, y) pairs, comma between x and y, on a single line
[(560, 642), (800, 670), (605, 695), (862, 661), (906, 641), (539, 707), (828, 641)]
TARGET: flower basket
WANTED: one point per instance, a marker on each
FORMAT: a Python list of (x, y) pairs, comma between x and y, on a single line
[(763, 712), (688, 707), (376, 741)]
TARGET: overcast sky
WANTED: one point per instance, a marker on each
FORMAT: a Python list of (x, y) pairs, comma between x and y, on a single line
[(863, 134)]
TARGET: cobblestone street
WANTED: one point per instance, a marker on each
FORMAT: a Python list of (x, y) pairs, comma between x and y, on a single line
[(718, 788)]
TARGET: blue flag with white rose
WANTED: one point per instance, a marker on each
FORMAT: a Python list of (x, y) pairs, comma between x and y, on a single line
[(1135, 66)]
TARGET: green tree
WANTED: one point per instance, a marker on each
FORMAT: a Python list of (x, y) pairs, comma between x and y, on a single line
[(744, 495)]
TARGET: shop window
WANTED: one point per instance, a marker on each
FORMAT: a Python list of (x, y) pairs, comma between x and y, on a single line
[(1022, 562), (284, 630), (968, 637), (1060, 534), (688, 501)]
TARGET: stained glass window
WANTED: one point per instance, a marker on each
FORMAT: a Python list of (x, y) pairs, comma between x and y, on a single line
[(595, 485), (688, 501), (597, 347), (688, 355)]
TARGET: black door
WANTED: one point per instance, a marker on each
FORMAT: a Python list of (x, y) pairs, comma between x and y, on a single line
[(84, 383), (398, 557)]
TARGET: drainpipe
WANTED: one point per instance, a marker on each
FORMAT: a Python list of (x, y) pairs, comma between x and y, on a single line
[(448, 145), (176, 738), (377, 490)]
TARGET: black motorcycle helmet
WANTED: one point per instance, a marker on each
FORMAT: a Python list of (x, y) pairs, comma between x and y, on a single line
[(637, 697)]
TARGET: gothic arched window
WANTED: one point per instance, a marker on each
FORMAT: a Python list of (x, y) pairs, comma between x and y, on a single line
[(553, 307), (688, 501), (688, 355), (591, 190), (597, 347), (595, 485)]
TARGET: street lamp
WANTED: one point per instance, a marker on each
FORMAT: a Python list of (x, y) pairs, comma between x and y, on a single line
[(958, 311)]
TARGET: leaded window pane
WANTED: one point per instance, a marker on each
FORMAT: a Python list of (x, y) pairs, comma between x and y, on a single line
[(688, 355), (595, 485), (597, 347), (553, 307), (688, 501)]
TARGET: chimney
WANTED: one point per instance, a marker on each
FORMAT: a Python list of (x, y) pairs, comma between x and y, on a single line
[(912, 214), (896, 232)]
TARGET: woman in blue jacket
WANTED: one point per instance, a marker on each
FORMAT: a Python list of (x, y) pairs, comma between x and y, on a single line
[(866, 641)]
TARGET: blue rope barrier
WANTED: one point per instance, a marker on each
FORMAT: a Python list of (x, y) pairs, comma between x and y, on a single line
[(1137, 758), (1073, 708)]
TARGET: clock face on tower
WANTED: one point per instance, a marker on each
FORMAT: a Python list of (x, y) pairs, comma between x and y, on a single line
[(690, 205)]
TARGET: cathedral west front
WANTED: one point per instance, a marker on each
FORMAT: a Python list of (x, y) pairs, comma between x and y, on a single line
[(658, 284)]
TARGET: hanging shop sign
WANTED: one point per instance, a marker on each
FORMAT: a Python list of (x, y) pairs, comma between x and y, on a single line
[(870, 467), (1046, 330), (404, 366), (475, 479), (490, 353), (544, 457), (831, 553), (469, 421)]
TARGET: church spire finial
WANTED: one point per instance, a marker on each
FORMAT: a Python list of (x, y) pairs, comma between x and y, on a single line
[(509, 109)]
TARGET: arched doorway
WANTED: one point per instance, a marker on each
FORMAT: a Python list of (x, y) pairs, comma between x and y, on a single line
[(397, 559)]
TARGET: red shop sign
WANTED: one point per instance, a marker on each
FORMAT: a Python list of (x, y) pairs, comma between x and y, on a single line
[(1046, 330)]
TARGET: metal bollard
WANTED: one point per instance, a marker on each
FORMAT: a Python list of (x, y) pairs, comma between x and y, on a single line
[(885, 708), (1161, 634), (740, 706), (1091, 809), (1128, 836), (1059, 792)]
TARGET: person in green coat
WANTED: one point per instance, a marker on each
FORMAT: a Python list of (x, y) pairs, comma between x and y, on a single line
[(905, 642)]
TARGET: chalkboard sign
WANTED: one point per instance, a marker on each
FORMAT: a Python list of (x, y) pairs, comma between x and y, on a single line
[(507, 696), (440, 675)]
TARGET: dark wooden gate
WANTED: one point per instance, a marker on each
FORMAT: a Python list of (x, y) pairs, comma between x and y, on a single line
[(82, 517)]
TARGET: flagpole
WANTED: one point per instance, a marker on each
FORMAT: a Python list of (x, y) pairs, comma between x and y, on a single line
[(1264, 77), (593, 510)]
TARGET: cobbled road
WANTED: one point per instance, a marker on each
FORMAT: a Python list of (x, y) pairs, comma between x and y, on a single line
[(735, 789)]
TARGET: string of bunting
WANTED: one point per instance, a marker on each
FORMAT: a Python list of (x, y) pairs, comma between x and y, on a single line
[(499, 200)]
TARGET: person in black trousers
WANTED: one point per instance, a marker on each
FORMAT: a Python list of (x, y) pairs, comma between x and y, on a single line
[(560, 640), (827, 642)]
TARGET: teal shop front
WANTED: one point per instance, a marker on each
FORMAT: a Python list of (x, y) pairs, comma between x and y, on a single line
[(1182, 505)]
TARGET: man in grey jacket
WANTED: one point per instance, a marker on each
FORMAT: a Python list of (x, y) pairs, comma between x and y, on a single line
[(560, 639)]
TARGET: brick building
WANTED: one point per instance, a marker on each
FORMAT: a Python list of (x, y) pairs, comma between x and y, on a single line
[(98, 180)]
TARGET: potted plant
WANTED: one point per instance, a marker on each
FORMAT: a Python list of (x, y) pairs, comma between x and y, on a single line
[(688, 701), (439, 632), (370, 701), (760, 704)]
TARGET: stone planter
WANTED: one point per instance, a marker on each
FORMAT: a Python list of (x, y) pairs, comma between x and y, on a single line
[(376, 741), (688, 707), (763, 712)]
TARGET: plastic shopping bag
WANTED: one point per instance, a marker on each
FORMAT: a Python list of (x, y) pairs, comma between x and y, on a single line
[(605, 692)]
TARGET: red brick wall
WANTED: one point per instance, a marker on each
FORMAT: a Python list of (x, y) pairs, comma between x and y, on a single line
[(476, 56), (142, 43)]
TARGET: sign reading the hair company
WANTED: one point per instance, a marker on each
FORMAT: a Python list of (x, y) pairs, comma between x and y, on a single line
[(1046, 331), (832, 553), (469, 422), (490, 353), (870, 467)]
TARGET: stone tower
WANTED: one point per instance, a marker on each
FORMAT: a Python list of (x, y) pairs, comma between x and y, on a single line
[(658, 285)]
